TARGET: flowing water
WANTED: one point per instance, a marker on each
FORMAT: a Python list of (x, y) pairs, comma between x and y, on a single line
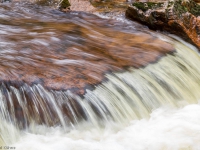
[(137, 106)]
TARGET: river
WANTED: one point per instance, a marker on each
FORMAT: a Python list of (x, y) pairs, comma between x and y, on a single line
[(81, 81)]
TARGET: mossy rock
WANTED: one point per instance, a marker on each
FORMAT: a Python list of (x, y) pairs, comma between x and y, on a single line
[(64, 4), (181, 7), (196, 10), (180, 17), (144, 6)]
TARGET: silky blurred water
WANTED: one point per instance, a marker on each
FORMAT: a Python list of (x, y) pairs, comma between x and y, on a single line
[(167, 128), (138, 106)]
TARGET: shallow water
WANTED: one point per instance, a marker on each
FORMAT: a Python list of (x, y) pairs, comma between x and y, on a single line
[(47, 44)]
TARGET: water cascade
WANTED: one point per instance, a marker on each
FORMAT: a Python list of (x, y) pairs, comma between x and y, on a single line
[(103, 117), (174, 80)]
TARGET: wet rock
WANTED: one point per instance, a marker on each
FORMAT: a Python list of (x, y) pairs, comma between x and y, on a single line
[(64, 5), (71, 51), (76, 56), (82, 5), (43, 58), (106, 7), (178, 17), (76, 66), (110, 7)]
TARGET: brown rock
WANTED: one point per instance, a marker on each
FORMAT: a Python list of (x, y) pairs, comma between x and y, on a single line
[(197, 1), (178, 17), (81, 5), (78, 61), (73, 53)]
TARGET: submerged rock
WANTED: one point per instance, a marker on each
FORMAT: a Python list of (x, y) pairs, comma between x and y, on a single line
[(178, 17)]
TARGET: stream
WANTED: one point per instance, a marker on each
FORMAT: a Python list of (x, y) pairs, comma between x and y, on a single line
[(82, 81)]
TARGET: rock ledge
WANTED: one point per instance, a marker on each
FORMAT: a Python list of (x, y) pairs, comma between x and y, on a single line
[(178, 17)]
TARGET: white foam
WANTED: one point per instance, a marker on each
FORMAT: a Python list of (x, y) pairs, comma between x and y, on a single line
[(167, 128)]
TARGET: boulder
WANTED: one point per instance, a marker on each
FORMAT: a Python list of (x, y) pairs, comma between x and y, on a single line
[(175, 16)]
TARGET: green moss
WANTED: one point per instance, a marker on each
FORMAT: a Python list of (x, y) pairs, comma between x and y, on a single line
[(170, 4), (188, 6), (195, 10), (179, 8), (64, 4), (144, 6)]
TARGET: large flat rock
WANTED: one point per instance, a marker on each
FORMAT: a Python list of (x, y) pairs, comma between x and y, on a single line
[(73, 53), (46, 56)]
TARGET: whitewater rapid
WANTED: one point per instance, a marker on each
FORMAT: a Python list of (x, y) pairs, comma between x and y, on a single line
[(167, 128)]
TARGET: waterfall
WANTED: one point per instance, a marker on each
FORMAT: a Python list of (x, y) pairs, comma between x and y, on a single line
[(174, 80), (153, 107)]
